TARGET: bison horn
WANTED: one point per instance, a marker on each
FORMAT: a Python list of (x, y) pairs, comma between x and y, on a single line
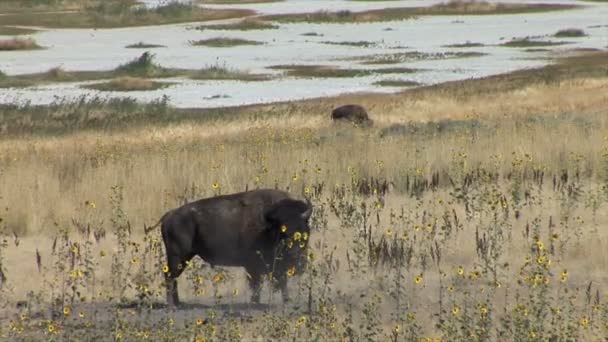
[(308, 212)]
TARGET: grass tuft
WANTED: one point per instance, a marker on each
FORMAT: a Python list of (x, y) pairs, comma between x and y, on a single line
[(397, 83), (142, 45), (235, 2), (361, 43), (311, 71), (464, 45), (224, 42), (527, 42), (403, 57), (242, 25), (570, 33), (142, 66), (223, 72), (312, 34)]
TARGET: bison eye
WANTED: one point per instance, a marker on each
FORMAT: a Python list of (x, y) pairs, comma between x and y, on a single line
[(297, 236), (283, 228)]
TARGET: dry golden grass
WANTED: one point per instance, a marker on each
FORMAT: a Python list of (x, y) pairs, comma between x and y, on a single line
[(64, 163)]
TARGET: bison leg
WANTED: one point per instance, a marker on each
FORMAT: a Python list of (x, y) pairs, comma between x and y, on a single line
[(176, 267), (284, 291), (281, 284), (255, 284)]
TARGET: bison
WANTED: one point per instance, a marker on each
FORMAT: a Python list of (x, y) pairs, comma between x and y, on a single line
[(352, 113), (265, 231)]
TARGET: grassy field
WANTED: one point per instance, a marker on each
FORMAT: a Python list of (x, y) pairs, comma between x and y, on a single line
[(472, 210)]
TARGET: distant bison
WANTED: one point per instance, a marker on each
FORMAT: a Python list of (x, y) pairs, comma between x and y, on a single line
[(352, 113), (262, 230)]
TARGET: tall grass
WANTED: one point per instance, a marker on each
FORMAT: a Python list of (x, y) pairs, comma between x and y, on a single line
[(454, 233), (479, 219)]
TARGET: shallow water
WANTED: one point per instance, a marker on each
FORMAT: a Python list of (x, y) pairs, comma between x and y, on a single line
[(78, 49)]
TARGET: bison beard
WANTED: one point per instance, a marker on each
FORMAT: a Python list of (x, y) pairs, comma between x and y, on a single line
[(265, 231)]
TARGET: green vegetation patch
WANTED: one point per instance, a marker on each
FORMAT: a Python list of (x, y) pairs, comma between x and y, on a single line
[(218, 72), (242, 25), (536, 50), (111, 14), (570, 32), (389, 14), (527, 43), (464, 45), (361, 43), (142, 45), (235, 2), (144, 66), (128, 84), (15, 31), (409, 56), (312, 34), (309, 71), (397, 83), (15, 44), (224, 42), (395, 71)]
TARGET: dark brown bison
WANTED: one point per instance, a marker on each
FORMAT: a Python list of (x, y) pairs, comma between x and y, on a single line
[(262, 230), (352, 113)]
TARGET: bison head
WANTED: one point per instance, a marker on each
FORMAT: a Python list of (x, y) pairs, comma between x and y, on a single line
[(287, 225)]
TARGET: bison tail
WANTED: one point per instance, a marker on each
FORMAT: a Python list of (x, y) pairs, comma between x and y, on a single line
[(148, 229)]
